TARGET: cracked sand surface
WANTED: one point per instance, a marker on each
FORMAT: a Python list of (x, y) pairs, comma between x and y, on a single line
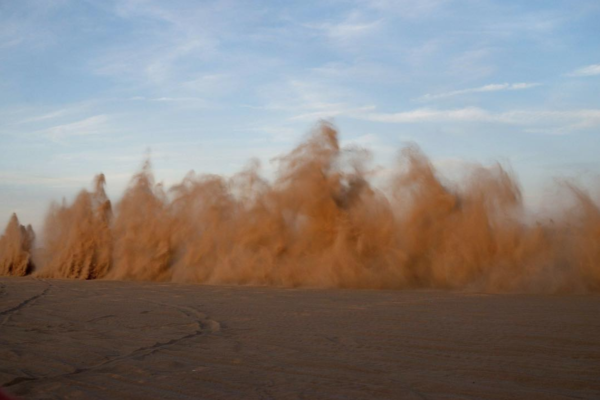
[(131, 340)]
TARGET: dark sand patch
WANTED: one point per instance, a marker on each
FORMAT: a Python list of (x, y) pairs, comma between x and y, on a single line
[(131, 340)]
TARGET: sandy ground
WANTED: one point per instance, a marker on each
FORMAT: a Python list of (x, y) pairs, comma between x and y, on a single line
[(113, 340)]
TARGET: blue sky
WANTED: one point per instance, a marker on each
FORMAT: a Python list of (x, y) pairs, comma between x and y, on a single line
[(89, 86)]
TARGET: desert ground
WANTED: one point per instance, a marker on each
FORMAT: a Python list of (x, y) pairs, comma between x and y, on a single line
[(74, 339)]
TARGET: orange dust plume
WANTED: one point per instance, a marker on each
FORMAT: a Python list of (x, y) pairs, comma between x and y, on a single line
[(15, 249), (78, 240), (322, 222)]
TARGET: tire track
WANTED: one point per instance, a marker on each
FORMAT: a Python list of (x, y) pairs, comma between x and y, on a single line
[(204, 326), (9, 312)]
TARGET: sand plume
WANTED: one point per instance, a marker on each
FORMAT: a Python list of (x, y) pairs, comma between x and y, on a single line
[(304, 229), (322, 222), (580, 233), (15, 248), (142, 231), (78, 239)]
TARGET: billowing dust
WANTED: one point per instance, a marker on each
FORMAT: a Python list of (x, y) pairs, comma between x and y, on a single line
[(321, 222), (15, 248)]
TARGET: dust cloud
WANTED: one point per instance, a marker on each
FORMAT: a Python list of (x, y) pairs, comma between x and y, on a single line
[(321, 222), (78, 240), (15, 248)]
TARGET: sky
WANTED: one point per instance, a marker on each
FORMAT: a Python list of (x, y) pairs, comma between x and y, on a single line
[(92, 86)]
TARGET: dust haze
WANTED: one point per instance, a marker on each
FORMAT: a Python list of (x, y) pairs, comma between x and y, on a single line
[(321, 222)]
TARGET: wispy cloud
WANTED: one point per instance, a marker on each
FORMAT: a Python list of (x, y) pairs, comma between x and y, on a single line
[(166, 99), (327, 111), (308, 100), (363, 140), (358, 71), (208, 83), (119, 76), (494, 87), (345, 32), (349, 30), (19, 178), (44, 117), (88, 126), (151, 63), (539, 121), (472, 64), (24, 23), (590, 70), (181, 34), (406, 8), (39, 116), (470, 114)]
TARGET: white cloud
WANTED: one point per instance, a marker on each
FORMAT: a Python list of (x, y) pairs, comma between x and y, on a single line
[(473, 64), (421, 54), (363, 140), (406, 8), (69, 109), (212, 84), (345, 33), (570, 119), (88, 126), (152, 62), (350, 30), (297, 95), (495, 87), (196, 101), (26, 23), (19, 178), (542, 121), (470, 114), (308, 100), (590, 70), (50, 115), (161, 55), (358, 71), (327, 111)]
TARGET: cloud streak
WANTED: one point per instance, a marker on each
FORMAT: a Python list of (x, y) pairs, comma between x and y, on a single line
[(494, 87), (590, 70), (346, 32), (330, 111), (85, 127), (559, 121)]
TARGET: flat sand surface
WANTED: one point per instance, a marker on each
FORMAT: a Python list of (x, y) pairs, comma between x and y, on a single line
[(130, 340)]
